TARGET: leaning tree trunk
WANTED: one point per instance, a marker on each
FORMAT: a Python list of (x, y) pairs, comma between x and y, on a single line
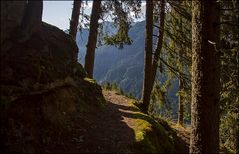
[(205, 77), (159, 44), (148, 55), (75, 18), (92, 39)]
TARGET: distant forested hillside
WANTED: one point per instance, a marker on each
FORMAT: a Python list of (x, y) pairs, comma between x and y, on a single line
[(123, 66)]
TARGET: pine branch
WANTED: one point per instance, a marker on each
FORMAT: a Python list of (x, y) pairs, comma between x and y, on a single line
[(187, 58), (174, 70)]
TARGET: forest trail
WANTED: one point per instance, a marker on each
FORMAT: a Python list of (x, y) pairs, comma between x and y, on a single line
[(110, 127)]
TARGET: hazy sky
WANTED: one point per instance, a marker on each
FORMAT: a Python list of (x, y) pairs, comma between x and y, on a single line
[(58, 13)]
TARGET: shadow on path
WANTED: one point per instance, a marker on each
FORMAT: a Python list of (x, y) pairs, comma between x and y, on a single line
[(105, 131), (110, 129)]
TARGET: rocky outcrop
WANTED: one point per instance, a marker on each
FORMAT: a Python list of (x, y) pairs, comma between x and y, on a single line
[(41, 87), (38, 62)]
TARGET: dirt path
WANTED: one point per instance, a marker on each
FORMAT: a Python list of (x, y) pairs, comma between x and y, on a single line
[(110, 128), (104, 130)]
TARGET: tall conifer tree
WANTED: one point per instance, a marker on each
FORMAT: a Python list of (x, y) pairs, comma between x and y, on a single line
[(151, 58), (92, 39), (205, 77), (148, 55), (75, 18)]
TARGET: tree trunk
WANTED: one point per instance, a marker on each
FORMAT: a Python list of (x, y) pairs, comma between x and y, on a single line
[(180, 103), (10, 20), (148, 55), (237, 110), (32, 20), (92, 39), (237, 132), (159, 44), (180, 80), (205, 77), (75, 18)]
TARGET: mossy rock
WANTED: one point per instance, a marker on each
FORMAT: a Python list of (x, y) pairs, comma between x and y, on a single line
[(154, 136), (41, 88), (48, 55), (90, 85)]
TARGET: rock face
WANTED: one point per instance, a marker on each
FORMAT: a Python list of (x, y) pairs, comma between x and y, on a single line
[(41, 87)]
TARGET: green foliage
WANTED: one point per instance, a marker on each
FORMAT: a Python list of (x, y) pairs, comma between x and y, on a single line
[(114, 86), (130, 95), (119, 11), (154, 135), (111, 86), (229, 103), (178, 32), (158, 95), (227, 133), (175, 60), (90, 80), (120, 38)]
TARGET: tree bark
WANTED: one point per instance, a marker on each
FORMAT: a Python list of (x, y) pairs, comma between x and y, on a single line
[(92, 39), (151, 61), (237, 110), (180, 104), (237, 131), (32, 20), (180, 80), (159, 46), (11, 20), (205, 77), (75, 18), (148, 55)]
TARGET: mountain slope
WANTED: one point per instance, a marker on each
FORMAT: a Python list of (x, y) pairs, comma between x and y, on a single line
[(125, 66)]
